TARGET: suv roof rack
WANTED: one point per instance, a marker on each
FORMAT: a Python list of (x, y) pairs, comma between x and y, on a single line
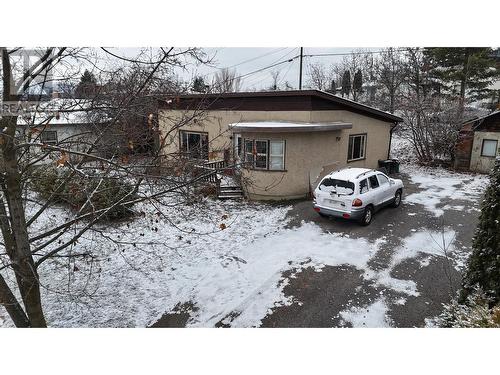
[(363, 173)]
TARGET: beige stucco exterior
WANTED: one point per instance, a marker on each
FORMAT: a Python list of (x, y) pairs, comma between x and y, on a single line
[(480, 163), (307, 155)]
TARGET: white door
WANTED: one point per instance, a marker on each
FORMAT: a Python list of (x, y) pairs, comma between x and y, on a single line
[(386, 191), (376, 192)]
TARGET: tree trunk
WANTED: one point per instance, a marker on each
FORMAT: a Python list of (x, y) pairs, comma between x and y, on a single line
[(20, 255), (19, 251), (14, 309), (463, 81)]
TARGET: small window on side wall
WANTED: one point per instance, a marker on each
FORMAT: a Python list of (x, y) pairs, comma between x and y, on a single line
[(489, 148), (357, 146), (49, 137)]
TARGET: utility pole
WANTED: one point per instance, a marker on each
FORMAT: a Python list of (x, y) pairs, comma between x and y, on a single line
[(300, 69)]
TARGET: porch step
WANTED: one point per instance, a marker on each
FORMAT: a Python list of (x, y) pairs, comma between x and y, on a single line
[(230, 192)]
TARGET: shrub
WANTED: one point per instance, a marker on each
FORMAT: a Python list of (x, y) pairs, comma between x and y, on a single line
[(104, 192), (474, 313), (483, 267)]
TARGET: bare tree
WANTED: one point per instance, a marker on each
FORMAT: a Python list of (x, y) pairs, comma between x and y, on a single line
[(320, 76), (390, 74), (227, 80), (275, 75), (82, 171)]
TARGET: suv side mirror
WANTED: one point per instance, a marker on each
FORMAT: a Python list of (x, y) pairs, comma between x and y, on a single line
[(391, 181)]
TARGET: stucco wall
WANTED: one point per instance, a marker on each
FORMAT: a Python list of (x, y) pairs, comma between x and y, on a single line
[(307, 155), (480, 163), (216, 124)]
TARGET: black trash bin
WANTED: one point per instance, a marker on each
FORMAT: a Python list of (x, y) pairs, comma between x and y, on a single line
[(395, 166), (390, 165)]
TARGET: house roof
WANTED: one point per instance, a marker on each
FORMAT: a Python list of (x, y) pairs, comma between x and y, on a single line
[(288, 127), (490, 122), (293, 100), (61, 112)]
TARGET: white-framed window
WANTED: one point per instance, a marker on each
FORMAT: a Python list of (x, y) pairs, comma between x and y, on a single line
[(238, 147), (264, 154), (194, 144), (249, 151), (276, 155), (357, 147), (489, 148), (260, 154), (49, 137)]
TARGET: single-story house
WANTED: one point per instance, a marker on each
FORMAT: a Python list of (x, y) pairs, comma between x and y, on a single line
[(281, 142), (478, 143), (75, 124)]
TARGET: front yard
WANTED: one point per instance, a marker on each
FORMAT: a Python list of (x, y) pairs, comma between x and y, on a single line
[(243, 264)]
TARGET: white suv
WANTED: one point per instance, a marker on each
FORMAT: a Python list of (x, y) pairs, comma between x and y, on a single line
[(356, 193)]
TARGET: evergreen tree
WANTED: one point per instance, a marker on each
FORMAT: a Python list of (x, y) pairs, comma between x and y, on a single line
[(357, 84), (87, 86), (346, 83), (199, 85), (333, 87), (484, 263), (467, 72)]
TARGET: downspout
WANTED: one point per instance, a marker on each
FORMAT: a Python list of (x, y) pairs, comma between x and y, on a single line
[(390, 139)]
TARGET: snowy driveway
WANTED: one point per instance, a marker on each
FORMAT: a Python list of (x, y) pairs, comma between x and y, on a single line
[(416, 254), (278, 266)]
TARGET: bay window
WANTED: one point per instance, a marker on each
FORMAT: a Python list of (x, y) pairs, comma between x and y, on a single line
[(265, 154)]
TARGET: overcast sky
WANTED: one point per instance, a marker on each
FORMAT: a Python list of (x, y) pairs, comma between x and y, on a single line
[(247, 60)]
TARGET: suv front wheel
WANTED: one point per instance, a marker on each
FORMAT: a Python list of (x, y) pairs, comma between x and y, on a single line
[(367, 216), (397, 199)]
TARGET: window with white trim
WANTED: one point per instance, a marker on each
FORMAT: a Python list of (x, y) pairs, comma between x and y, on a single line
[(264, 154), (249, 162), (49, 137), (260, 154), (194, 145), (276, 155), (357, 147), (489, 148)]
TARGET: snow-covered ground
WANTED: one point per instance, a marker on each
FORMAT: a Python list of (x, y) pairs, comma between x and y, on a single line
[(228, 263)]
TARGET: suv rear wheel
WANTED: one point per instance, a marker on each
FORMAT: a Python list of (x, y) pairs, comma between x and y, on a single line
[(367, 216)]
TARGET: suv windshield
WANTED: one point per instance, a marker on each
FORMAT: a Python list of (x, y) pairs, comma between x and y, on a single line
[(341, 187)]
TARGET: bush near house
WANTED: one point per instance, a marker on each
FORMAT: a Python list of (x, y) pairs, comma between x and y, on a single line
[(103, 193)]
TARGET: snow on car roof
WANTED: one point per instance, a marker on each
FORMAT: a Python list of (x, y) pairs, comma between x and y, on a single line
[(349, 174)]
